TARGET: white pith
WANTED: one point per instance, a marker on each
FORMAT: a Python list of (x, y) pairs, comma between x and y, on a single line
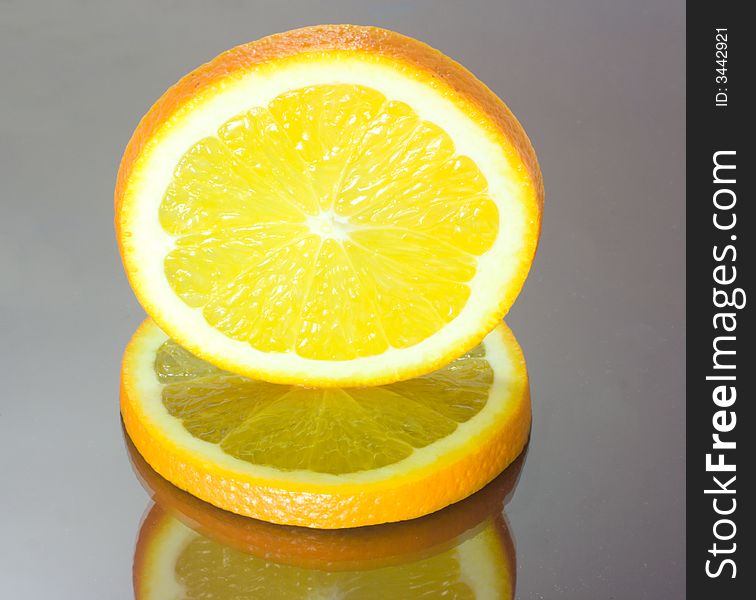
[(479, 557), (329, 225), (145, 243), (505, 398)]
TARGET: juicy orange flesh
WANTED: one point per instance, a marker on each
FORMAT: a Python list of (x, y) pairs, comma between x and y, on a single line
[(340, 430), (207, 569), (333, 223)]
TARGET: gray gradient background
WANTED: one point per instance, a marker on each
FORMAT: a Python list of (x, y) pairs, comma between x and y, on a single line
[(599, 86)]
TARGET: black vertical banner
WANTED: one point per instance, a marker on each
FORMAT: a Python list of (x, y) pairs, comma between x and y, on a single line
[(721, 429)]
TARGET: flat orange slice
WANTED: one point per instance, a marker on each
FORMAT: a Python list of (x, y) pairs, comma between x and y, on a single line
[(326, 458)]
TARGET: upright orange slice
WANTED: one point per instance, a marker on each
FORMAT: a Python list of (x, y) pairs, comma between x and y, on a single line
[(335, 205)]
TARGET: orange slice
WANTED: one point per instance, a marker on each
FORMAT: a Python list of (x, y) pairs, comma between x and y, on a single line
[(326, 458), (331, 206)]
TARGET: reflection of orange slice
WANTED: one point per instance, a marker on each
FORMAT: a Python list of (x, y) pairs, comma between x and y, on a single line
[(333, 549), (333, 458), (173, 561), (336, 205)]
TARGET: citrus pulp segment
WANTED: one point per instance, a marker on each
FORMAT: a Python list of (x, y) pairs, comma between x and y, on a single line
[(331, 206), (326, 458)]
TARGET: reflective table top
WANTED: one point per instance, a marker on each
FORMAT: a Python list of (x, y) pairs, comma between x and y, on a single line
[(595, 510)]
